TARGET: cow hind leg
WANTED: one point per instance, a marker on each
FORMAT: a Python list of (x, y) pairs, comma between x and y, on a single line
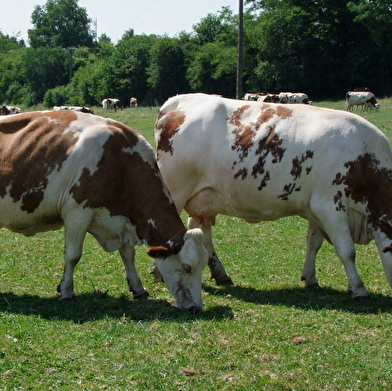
[(218, 272), (127, 253), (384, 246), (345, 249), (314, 241)]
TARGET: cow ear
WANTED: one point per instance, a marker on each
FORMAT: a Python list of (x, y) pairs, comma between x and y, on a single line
[(158, 252)]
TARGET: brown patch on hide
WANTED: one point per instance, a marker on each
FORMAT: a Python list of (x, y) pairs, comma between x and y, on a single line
[(366, 182), (245, 134), (130, 185), (168, 124), (33, 145)]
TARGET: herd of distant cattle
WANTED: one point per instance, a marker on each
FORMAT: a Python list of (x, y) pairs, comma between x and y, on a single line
[(108, 104), (358, 97)]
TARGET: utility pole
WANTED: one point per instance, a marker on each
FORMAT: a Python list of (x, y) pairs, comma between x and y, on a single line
[(240, 87)]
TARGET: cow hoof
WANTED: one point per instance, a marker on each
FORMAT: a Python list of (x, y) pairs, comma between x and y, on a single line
[(362, 298), (68, 299), (313, 286), (224, 281), (142, 295)]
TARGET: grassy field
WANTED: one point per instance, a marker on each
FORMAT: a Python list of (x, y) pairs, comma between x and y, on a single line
[(264, 333)]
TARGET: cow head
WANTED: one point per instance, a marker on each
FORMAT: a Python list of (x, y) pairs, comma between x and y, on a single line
[(181, 263)]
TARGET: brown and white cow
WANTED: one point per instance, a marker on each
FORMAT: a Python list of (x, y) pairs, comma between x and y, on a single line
[(365, 99), (112, 104), (133, 102), (253, 96), (8, 110), (269, 98), (96, 175), (260, 161), (82, 109), (297, 97)]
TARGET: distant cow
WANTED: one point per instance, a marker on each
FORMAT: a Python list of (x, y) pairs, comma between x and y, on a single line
[(364, 99), (96, 175), (133, 102), (269, 98), (8, 110), (290, 97), (82, 109), (253, 96), (111, 104), (259, 161)]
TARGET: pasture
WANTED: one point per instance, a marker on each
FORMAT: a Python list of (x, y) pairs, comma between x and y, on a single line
[(264, 333)]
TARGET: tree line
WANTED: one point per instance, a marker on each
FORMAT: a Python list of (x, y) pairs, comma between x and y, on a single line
[(321, 47)]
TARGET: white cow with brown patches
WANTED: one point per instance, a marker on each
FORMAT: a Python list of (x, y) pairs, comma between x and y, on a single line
[(96, 175), (260, 161)]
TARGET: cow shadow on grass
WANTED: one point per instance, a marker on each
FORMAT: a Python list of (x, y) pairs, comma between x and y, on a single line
[(99, 305), (324, 298)]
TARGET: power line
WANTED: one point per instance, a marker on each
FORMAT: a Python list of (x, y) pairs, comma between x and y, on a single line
[(141, 13), (169, 16)]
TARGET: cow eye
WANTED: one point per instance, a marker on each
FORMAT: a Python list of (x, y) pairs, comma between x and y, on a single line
[(187, 268)]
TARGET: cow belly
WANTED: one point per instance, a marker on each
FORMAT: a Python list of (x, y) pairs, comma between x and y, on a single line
[(252, 207), (16, 220), (111, 232), (30, 228)]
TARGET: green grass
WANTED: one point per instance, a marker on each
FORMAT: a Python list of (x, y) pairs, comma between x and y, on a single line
[(264, 333)]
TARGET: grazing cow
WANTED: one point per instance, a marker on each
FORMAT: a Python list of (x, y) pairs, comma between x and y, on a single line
[(269, 98), (111, 104), (96, 175), (260, 161), (133, 102), (82, 109), (7, 110), (253, 96), (361, 98), (290, 97)]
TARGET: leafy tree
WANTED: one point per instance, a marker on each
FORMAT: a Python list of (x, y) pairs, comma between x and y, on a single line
[(88, 83), (43, 69), (309, 45), (166, 70), (125, 70), (10, 65), (60, 23), (212, 64), (375, 17), (213, 69), (10, 42)]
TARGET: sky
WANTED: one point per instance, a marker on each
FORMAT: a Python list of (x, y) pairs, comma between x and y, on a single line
[(114, 17)]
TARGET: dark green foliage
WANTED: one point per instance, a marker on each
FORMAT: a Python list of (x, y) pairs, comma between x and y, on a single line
[(323, 48), (60, 23)]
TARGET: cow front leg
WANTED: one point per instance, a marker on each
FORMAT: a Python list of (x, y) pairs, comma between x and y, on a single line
[(217, 269), (75, 230), (127, 253), (314, 240), (74, 239)]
